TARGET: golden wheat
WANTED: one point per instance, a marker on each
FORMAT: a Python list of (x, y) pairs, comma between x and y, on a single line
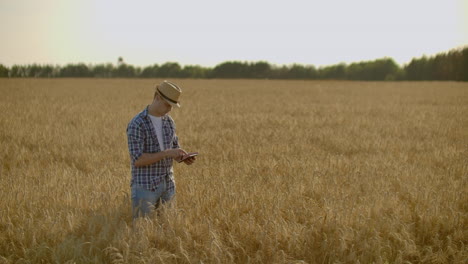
[(289, 172)]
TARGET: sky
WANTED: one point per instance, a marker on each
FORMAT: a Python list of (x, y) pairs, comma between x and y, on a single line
[(209, 32)]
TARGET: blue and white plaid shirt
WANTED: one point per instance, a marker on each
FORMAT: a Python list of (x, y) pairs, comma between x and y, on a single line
[(142, 139)]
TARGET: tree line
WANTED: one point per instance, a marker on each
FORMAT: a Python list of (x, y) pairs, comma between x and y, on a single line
[(452, 65)]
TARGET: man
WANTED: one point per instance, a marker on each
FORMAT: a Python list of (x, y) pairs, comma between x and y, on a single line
[(153, 145)]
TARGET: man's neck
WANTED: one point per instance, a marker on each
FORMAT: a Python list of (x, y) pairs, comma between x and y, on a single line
[(153, 110)]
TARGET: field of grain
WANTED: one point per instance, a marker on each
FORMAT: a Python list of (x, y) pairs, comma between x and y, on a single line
[(289, 172)]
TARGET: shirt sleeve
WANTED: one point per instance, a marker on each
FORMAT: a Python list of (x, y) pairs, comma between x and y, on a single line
[(135, 139), (175, 141)]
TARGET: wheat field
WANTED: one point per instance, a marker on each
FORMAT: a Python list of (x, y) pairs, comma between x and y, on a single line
[(288, 172)]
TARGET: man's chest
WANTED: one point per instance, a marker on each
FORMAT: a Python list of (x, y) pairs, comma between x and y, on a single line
[(153, 137)]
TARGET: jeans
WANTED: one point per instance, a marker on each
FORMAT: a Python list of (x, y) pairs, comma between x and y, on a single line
[(144, 201)]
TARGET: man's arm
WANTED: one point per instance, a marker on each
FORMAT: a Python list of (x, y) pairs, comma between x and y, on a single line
[(135, 138), (150, 158)]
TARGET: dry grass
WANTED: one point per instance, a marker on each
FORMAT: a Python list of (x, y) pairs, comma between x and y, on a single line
[(289, 172)]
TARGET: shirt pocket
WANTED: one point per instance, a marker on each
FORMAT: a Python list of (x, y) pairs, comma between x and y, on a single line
[(151, 144)]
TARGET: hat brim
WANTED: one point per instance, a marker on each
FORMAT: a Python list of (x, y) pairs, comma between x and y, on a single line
[(175, 105)]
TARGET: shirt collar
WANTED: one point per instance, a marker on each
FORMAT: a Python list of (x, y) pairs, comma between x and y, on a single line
[(146, 113)]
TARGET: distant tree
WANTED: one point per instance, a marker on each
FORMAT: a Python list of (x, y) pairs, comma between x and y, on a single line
[(415, 70), (138, 71), (169, 70), (76, 70), (336, 72), (444, 66), (150, 71), (279, 72), (103, 70), (35, 71), (459, 60), (124, 71), (312, 72), (193, 71), (356, 71), (3, 71), (18, 71), (41, 71), (260, 69), (385, 69), (48, 71), (231, 69), (464, 66), (297, 71), (377, 70)]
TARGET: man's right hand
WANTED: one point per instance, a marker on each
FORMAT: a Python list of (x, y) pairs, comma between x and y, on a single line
[(175, 153)]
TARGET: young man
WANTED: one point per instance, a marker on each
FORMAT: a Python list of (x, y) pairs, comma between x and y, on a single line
[(153, 145)]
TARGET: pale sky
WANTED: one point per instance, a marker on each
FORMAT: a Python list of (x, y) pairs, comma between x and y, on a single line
[(208, 32)]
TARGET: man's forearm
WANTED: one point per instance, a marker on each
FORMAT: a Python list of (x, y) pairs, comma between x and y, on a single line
[(150, 158)]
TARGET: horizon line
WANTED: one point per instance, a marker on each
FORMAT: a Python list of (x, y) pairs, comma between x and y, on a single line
[(460, 47)]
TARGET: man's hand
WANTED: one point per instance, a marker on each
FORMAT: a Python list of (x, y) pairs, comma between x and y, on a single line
[(190, 160), (176, 154)]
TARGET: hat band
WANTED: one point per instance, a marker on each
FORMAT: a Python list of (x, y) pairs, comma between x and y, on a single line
[(167, 98)]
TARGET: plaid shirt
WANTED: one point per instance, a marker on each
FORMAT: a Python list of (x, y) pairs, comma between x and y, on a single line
[(142, 139)]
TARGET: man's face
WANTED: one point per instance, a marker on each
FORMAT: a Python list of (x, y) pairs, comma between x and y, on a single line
[(164, 106)]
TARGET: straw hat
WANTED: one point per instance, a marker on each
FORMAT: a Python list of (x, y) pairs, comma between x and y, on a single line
[(169, 92)]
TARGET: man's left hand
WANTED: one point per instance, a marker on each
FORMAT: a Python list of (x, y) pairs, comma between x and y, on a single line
[(190, 160)]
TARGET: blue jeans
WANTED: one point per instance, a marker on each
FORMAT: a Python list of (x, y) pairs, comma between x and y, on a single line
[(144, 201)]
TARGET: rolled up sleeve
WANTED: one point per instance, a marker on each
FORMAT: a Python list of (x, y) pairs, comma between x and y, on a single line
[(175, 139), (135, 139), (175, 142)]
